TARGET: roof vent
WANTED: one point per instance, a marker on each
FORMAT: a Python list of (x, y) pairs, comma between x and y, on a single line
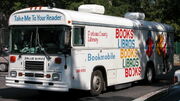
[(92, 8), (135, 15)]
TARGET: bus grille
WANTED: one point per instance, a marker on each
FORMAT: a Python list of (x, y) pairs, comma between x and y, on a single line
[(34, 65)]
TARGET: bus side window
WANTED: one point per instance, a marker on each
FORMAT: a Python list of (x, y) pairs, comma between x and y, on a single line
[(78, 36)]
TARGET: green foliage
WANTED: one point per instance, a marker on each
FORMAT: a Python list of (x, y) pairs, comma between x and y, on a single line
[(74, 5), (17, 6), (164, 11)]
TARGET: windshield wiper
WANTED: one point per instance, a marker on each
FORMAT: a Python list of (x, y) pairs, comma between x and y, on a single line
[(44, 51), (40, 46)]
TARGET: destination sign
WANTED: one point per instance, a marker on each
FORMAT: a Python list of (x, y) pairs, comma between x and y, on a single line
[(40, 18)]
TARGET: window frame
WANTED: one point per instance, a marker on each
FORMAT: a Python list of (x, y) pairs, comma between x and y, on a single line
[(75, 45)]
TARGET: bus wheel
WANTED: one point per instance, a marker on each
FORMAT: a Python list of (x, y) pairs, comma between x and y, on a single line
[(149, 75), (97, 83)]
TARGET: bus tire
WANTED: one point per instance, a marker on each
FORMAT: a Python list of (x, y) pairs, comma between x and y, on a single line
[(97, 83), (149, 75)]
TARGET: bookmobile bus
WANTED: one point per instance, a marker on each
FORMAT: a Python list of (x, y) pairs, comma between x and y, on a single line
[(57, 50)]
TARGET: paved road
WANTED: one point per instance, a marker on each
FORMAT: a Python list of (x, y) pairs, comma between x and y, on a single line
[(2, 78), (127, 94)]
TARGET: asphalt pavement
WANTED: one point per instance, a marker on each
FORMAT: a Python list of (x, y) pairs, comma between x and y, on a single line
[(126, 94), (2, 79), (137, 90)]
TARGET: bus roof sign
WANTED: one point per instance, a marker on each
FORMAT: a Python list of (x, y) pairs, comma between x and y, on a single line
[(37, 18)]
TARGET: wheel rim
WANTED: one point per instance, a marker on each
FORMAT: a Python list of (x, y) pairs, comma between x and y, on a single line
[(149, 74), (97, 82)]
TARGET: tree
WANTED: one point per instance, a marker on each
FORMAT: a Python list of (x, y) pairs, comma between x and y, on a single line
[(164, 11)]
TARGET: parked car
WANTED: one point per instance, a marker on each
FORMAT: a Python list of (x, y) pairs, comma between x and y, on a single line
[(171, 93), (176, 79)]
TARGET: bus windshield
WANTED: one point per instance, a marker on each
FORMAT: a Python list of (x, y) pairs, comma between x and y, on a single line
[(36, 39)]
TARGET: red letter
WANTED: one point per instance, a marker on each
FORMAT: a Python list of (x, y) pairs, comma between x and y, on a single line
[(126, 72), (130, 72), (131, 34), (121, 33), (117, 33), (139, 70)]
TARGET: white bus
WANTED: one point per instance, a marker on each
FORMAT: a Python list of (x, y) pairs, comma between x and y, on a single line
[(57, 50)]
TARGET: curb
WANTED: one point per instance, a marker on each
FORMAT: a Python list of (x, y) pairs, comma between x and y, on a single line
[(149, 95)]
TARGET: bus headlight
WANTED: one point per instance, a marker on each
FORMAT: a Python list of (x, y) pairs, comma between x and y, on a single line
[(13, 73), (56, 76)]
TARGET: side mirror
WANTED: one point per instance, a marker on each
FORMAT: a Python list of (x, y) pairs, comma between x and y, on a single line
[(4, 51), (67, 41), (67, 38)]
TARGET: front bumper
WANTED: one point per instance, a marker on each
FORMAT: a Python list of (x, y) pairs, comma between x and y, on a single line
[(37, 84)]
